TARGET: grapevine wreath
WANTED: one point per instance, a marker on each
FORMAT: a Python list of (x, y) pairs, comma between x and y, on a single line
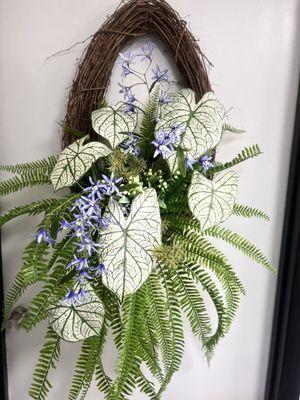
[(127, 252)]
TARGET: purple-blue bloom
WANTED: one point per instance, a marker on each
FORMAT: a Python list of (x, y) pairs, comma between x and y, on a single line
[(189, 162), (160, 75), (131, 144), (147, 52), (205, 162), (80, 263), (83, 276), (126, 59), (109, 186), (164, 142), (90, 206), (43, 236), (99, 270), (94, 189), (125, 71), (65, 225), (73, 297), (164, 99), (87, 245)]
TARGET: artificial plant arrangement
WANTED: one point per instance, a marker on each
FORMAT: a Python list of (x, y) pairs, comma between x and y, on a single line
[(128, 250)]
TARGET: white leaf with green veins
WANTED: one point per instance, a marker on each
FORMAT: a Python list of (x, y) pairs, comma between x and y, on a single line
[(79, 322), (128, 243), (113, 123), (203, 122), (75, 160), (212, 202)]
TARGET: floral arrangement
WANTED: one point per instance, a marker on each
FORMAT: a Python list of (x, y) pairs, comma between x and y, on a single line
[(127, 251)]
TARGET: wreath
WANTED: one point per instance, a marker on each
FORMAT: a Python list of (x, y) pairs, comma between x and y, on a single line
[(128, 250)]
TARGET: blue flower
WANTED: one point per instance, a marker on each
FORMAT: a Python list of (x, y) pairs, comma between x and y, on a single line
[(87, 245), (65, 225), (160, 76), (94, 189), (163, 143), (130, 108), (205, 162), (131, 144), (83, 276), (130, 96), (109, 185), (43, 236), (90, 206), (164, 99), (80, 263), (125, 71), (126, 59), (189, 162), (99, 270), (147, 52), (74, 298)]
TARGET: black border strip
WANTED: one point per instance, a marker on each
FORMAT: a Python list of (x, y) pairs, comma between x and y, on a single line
[(3, 364), (283, 379)]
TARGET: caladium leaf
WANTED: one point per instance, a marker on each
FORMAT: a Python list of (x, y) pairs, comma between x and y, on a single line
[(128, 243), (212, 202), (75, 160), (113, 123), (79, 322), (201, 123)]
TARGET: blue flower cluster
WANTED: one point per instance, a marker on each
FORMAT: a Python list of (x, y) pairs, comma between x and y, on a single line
[(204, 161), (131, 144), (159, 75), (88, 220)]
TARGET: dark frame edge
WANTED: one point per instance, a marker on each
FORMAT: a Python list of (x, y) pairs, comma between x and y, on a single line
[(283, 378), (3, 363)]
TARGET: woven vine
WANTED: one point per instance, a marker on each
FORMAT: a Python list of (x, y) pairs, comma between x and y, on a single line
[(132, 19)]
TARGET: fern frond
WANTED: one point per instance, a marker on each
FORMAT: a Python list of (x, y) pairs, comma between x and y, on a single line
[(37, 310), (44, 165), (30, 179), (245, 154), (175, 323), (249, 212), (192, 303), (31, 209), (49, 354), (91, 350), (241, 244), (199, 274), (33, 270), (127, 362)]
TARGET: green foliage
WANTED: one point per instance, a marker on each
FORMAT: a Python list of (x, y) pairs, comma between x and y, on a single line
[(127, 363), (34, 269), (30, 179), (241, 244), (52, 290), (31, 209), (245, 154), (91, 350), (249, 212), (49, 355), (44, 166)]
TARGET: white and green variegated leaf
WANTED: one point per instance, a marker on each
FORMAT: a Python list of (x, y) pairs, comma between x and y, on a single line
[(128, 243), (201, 122), (113, 123), (79, 322), (212, 202), (75, 160)]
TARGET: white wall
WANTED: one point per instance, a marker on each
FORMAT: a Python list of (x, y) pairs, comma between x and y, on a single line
[(254, 46)]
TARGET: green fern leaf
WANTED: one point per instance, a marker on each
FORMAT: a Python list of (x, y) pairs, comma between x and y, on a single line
[(249, 212), (31, 209), (49, 354), (34, 269), (37, 311), (17, 183), (241, 244), (245, 154), (44, 165)]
